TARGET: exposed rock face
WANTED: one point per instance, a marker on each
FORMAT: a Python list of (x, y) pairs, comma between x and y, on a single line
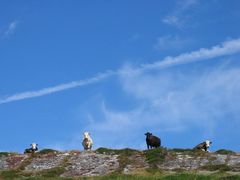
[(46, 161), (91, 164), (234, 162), (10, 161), (96, 163), (189, 162), (197, 161), (135, 162)]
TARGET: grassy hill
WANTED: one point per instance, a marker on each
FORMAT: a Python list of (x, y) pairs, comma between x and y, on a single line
[(121, 164)]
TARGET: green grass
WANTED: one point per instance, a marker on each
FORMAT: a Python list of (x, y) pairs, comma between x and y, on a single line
[(155, 156), (53, 174), (159, 155), (190, 152), (180, 176), (125, 151), (194, 176), (182, 150), (126, 156), (25, 163), (218, 167), (3, 154), (47, 151), (50, 174), (225, 151), (9, 174), (44, 178), (123, 155), (154, 171)]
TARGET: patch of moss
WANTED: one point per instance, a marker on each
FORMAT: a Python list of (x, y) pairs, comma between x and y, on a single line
[(155, 156), (25, 163), (217, 167), (153, 174), (47, 151), (225, 151), (4, 154), (9, 174), (191, 152), (154, 171), (176, 176), (54, 172), (124, 155), (182, 150), (179, 170), (187, 176), (125, 151)]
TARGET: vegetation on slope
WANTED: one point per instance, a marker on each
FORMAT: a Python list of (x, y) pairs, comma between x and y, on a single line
[(14, 175), (153, 157), (225, 151)]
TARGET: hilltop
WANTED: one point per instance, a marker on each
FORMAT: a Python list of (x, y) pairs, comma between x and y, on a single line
[(122, 164)]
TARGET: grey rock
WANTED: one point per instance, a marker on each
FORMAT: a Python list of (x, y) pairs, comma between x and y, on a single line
[(11, 161), (91, 164), (45, 162)]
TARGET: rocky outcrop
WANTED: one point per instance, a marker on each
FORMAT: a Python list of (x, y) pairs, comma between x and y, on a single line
[(126, 161), (91, 164), (191, 162), (46, 161), (10, 161)]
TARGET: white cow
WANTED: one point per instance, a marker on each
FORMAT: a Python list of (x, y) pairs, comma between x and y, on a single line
[(87, 141)]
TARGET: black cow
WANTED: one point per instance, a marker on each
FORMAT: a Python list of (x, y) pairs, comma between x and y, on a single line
[(152, 141)]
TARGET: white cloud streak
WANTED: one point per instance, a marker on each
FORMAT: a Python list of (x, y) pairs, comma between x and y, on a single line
[(54, 89), (176, 17), (171, 42), (11, 28), (170, 102), (226, 48)]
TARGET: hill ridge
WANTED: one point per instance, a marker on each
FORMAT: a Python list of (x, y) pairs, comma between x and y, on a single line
[(104, 162)]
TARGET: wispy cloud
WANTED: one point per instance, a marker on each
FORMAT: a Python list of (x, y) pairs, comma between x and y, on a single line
[(171, 102), (177, 17), (11, 28), (54, 89), (171, 42), (226, 48)]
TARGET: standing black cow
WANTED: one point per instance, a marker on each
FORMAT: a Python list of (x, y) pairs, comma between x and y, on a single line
[(152, 141)]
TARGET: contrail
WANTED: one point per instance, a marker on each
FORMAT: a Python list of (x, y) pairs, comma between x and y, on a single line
[(226, 48), (61, 87)]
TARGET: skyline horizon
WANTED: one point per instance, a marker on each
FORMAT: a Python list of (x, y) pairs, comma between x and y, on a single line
[(118, 70)]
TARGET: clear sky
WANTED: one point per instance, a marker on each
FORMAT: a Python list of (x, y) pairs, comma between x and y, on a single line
[(119, 69)]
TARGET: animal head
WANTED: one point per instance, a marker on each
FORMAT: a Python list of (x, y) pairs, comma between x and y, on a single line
[(208, 143), (34, 145), (148, 134), (86, 135)]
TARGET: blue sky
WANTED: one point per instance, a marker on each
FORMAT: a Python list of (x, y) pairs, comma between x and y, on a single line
[(118, 69)]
